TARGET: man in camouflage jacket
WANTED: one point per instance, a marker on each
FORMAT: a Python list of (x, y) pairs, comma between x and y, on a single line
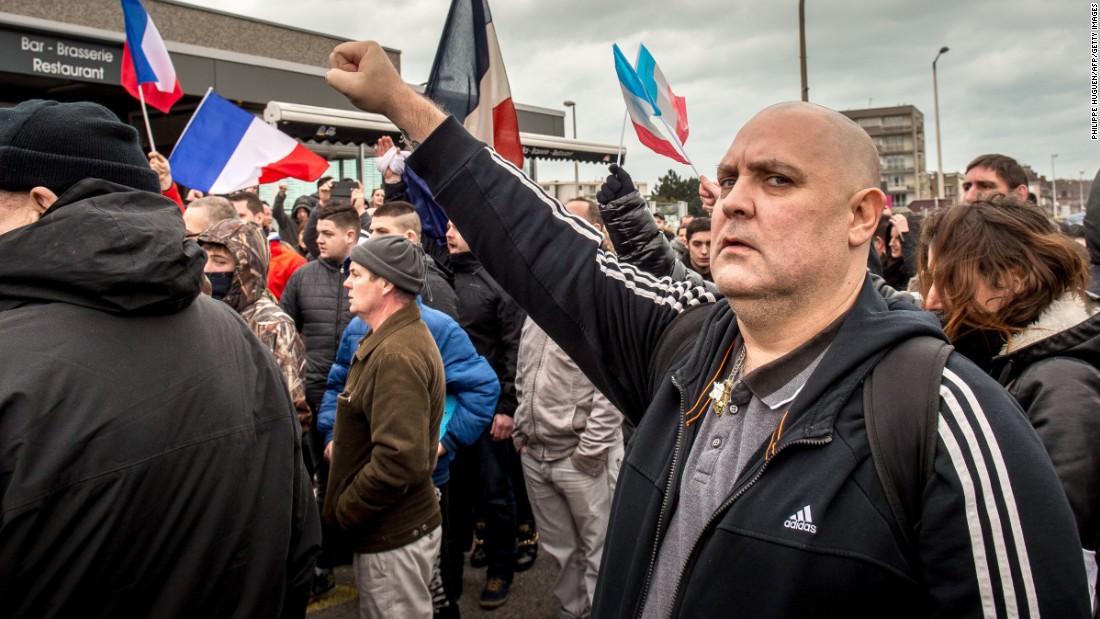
[(239, 250)]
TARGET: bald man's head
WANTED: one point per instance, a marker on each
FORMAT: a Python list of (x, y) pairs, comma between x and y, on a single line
[(845, 143), (798, 205), (205, 212)]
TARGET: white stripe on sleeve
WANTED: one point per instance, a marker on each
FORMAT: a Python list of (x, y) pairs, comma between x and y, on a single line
[(975, 436)]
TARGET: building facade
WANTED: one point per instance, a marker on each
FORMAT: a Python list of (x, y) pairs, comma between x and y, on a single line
[(898, 134), (72, 51), (567, 190)]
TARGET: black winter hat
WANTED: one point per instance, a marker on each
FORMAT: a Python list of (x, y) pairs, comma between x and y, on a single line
[(393, 258), (56, 145)]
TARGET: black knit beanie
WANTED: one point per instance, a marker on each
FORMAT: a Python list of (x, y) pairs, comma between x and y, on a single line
[(393, 258), (56, 145)]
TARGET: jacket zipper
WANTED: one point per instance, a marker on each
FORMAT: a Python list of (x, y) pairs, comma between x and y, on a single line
[(665, 501), (728, 502), (534, 391), (341, 298)]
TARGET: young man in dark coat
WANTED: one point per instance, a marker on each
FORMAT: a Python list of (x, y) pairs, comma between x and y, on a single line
[(150, 462)]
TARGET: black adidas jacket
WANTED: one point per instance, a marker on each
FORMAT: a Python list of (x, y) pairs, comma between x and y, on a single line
[(998, 538)]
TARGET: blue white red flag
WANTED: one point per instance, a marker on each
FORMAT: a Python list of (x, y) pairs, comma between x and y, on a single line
[(145, 62), (672, 107), (224, 149), (641, 105), (433, 221), (469, 81)]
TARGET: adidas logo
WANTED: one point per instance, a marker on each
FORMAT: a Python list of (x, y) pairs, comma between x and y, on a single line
[(801, 521)]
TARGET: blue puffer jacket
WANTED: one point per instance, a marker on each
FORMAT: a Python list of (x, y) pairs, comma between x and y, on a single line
[(472, 386)]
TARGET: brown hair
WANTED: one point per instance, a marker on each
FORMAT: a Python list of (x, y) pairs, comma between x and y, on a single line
[(342, 215), (402, 212), (591, 211), (251, 201), (696, 225), (1007, 168), (997, 241)]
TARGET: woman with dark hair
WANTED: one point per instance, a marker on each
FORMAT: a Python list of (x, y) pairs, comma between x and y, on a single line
[(899, 253), (1012, 291)]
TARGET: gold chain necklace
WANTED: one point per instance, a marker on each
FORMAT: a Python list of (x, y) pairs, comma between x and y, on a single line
[(721, 391)]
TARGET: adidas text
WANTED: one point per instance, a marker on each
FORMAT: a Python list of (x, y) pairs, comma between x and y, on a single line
[(801, 526), (802, 520)]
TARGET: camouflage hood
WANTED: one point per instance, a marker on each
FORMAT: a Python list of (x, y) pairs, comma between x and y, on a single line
[(249, 246)]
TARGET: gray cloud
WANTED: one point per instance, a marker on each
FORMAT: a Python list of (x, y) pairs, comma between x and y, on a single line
[(1015, 81)]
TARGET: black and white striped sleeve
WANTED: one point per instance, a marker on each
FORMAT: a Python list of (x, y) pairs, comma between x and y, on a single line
[(997, 537), (605, 314)]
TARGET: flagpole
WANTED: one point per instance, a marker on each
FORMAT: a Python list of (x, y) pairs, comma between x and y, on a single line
[(145, 113), (622, 137), (679, 147)]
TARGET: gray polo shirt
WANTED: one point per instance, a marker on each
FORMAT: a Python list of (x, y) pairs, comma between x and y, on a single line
[(722, 447)]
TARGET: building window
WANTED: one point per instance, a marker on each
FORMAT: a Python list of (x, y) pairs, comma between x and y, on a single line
[(897, 162), (870, 122)]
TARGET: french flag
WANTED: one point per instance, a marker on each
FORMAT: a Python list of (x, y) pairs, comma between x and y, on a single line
[(145, 62), (469, 81), (668, 104), (224, 149), (648, 94)]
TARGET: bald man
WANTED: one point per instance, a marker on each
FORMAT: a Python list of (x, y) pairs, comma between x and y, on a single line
[(205, 212), (749, 489)]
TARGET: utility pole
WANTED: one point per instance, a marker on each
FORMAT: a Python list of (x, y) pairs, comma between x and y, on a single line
[(1053, 188), (939, 151), (802, 47)]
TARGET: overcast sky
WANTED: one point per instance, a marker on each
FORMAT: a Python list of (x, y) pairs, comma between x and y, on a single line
[(1016, 80)]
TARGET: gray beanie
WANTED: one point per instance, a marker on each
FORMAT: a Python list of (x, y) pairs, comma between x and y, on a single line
[(56, 145), (395, 259)]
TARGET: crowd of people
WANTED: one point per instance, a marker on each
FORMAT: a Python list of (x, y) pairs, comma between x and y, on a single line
[(208, 403)]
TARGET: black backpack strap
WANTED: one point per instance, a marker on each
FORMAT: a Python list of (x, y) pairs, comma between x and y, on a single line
[(676, 342), (901, 405)]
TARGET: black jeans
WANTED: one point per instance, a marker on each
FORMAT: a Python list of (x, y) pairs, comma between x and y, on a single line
[(481, 480)]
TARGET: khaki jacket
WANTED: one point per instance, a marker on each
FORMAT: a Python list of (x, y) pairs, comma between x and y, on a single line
[(386, 436)]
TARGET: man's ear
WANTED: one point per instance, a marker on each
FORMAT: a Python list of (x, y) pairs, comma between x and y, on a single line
[(43, 199), (866, 208), (351, 234), (1020, 192), (409, 234)]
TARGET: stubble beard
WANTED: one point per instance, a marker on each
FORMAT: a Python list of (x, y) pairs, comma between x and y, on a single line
[(777, 300)]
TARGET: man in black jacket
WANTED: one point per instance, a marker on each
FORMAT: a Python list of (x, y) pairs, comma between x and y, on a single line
[(1092, 236), (483, 473), (315, 298), (150, 464), (749, 487)]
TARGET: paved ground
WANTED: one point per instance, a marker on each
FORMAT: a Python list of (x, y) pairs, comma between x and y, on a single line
[(529, 597)]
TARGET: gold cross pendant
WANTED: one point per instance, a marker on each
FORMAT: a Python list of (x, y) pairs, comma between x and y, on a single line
[(720, 393)]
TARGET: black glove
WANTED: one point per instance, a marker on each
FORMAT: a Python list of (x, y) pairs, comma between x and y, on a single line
[(617, 185)]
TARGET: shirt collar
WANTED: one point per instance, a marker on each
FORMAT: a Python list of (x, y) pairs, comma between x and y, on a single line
[(778, 383)]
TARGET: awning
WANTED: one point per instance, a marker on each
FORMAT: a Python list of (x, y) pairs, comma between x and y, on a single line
[(321, 125), (563, 149)]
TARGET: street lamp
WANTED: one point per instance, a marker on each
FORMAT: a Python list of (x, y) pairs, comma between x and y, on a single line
[(576, 168), (1081, 189), (936, 99), (1053, 187)]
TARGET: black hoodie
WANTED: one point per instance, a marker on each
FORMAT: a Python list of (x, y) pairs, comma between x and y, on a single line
[(1092, 235), (149, 455)]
